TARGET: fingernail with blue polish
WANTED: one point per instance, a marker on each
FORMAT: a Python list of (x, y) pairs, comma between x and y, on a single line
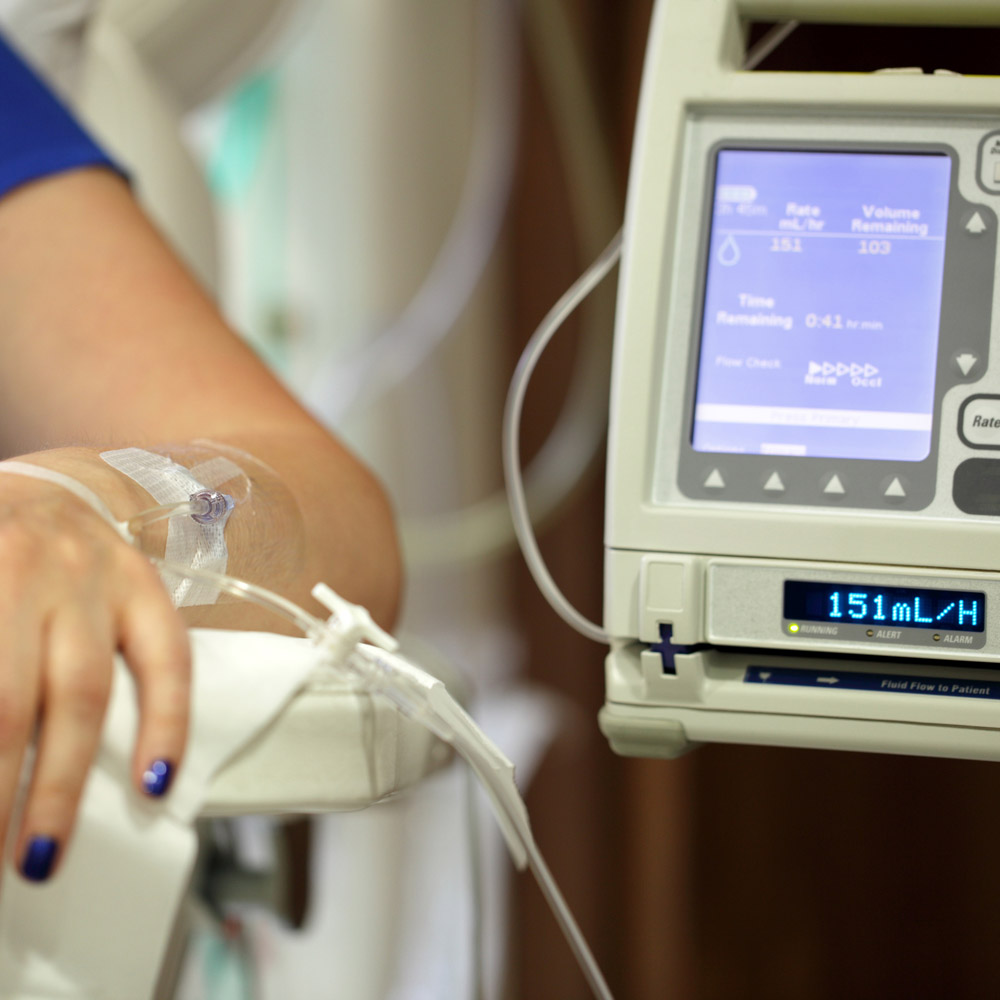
[(156, 778), (39, 858)]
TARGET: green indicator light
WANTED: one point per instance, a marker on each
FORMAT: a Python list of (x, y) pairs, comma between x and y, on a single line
[(793, 627)]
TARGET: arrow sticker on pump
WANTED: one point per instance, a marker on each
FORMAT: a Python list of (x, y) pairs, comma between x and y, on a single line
[(949, 687)]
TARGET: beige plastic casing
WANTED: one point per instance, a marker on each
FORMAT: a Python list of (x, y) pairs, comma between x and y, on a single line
[(657, 553)]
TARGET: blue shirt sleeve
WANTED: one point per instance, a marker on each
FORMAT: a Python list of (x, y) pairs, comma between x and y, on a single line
[(38, 134)]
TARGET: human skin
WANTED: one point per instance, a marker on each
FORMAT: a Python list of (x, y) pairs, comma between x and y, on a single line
[(107, 342)]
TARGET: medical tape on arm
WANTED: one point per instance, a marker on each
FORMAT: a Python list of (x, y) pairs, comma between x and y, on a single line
[(200, 546)]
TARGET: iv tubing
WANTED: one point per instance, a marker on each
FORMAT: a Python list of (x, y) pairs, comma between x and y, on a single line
[(768, 44), (195, 507), (384, 672), (392, 665), (306, 623), (564, 917), (580, 289), (556, 316)]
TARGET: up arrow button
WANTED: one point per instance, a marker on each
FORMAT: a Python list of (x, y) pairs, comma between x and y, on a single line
[(895, 490), (834, 487), (975, 225)]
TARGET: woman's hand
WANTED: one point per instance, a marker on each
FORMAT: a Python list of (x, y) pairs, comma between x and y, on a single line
[(72, 593)]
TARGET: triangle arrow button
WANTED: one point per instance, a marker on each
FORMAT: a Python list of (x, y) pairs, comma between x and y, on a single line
[(774, 484), (966, 362), (975, 225)]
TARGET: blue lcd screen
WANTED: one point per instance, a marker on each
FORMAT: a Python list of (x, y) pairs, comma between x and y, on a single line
[(822, 304), (901, 607)]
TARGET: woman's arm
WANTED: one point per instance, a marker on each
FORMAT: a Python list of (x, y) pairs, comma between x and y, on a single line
[(107, 342)]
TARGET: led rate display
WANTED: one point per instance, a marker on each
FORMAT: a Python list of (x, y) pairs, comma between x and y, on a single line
[(900, 607)]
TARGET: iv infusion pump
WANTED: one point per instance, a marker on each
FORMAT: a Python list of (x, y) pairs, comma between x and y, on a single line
[(803, 517)]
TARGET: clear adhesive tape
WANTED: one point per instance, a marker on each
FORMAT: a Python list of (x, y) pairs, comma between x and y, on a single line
[(200, 546)]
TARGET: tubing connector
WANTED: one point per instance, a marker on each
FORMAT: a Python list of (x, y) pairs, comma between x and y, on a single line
[(348, 625), (211, 506)]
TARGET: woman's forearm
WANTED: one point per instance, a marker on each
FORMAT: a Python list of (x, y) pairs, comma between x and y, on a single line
[(293, 523), (106, 342)]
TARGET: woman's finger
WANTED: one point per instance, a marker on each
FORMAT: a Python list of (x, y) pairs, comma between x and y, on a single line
[(18, 709), (154, 641), (21, 615), (76, 682)]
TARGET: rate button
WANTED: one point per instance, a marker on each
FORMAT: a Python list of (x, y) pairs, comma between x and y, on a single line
[(979, 422)]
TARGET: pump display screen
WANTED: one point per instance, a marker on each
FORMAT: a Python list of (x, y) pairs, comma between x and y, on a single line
[(822, 304), (864, 604)]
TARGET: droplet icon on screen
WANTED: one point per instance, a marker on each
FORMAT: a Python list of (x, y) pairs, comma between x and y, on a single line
[(729, 252)]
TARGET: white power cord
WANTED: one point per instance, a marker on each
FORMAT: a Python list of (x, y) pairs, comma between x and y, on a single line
[(556, 316)]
